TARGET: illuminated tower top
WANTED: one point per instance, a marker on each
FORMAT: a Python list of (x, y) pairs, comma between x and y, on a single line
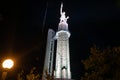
[(63, 25)]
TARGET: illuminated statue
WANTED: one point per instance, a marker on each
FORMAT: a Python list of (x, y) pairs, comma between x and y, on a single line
[(63, 18)]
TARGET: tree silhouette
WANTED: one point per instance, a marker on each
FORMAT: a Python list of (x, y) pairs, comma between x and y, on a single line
[(32, 75), (102, 64)]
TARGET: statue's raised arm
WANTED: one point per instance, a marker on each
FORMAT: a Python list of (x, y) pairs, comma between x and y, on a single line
[(61, 9), (63, 18)]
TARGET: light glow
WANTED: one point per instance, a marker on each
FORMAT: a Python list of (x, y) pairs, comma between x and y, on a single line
[(8, 63)]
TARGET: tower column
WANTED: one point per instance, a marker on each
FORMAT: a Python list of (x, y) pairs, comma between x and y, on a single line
[(62, 67)]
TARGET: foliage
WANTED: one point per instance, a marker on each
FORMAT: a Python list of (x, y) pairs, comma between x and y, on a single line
[(102, 64), (48, 76), (32, 75), (21, 76)]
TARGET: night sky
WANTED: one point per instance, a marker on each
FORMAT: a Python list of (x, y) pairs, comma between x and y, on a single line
[(23, 35)]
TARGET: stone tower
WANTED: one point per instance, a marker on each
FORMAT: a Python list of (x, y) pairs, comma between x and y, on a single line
[(62, 66)]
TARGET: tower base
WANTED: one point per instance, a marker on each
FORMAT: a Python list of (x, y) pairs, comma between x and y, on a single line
[(62, 79)]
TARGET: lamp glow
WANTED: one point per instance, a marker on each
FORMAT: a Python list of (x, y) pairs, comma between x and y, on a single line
[(8, 64)]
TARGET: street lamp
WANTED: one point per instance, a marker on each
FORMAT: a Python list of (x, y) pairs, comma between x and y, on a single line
[(7, 64)]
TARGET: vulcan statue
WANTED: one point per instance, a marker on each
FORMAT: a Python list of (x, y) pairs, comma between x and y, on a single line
[(63, 18)]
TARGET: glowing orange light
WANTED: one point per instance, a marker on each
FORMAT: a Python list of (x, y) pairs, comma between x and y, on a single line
[(8, 64)]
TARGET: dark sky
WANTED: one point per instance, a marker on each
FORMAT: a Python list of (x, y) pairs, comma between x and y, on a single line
[(23, 37)]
